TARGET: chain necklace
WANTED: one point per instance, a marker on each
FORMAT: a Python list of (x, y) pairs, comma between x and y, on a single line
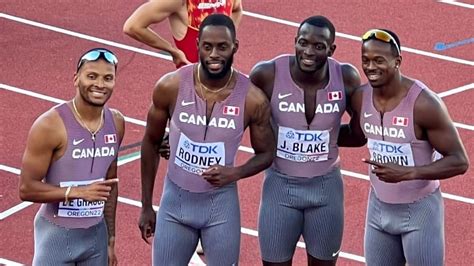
[(84, 124), (214, 91)]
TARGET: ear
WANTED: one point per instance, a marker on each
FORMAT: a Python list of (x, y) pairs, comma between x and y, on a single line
[(398, 62), (332, 49), (236, 46), (76, 79)]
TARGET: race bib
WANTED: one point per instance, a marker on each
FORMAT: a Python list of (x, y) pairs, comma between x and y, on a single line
[(303, 145), (389, 152), (195, 157), (80, 208)]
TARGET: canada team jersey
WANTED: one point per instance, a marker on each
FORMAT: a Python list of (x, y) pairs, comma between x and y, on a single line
[(306, 150), (391, 138), (195, 143), (198, 10), (84, 161)]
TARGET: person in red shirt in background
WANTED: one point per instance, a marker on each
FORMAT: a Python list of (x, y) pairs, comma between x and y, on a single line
[(184, 17)]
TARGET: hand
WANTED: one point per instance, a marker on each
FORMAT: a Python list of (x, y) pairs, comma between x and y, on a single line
[(146, 223), (390, 172), (164, 149), (179, 58), (97, 191), (111, 252), (219, 176)]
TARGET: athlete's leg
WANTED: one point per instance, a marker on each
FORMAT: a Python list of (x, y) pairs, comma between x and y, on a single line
[(174, 241), (98, 252), (221, 235), (324, 220), (280, 224), (424, 244), (51, 244), (380, 246)]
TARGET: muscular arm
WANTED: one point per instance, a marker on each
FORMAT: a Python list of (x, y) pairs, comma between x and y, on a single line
[(261, 135), (111, 203), (158, 115), (237, 12), (351, 135), (432, 117), (138, 24), (46, 136), (262, 75)]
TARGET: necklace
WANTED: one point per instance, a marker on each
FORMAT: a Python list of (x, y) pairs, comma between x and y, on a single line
[(84, 124), (218, 90)]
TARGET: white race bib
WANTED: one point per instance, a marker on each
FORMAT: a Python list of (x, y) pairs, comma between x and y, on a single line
[(303, 145), (389, 152), (195, 157), (80, 208)]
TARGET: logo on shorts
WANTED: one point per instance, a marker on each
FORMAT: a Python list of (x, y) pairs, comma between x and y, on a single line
[(336, 253)]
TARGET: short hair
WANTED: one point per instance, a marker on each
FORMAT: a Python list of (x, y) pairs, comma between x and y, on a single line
[(320, 21), (218, 20), (397, 40)]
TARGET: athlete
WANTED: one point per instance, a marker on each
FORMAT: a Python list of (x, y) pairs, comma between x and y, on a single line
[(209, 105), (404, 122), (303, 190), (70, 165), (184, 17)]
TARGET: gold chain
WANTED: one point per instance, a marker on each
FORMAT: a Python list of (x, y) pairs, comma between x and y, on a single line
[(84, 124), (214, 91)]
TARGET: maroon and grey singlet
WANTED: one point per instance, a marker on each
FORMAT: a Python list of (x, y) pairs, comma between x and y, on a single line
[(405, 220), (190, 207)]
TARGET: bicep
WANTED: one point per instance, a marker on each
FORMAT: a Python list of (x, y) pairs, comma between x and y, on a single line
[(41, 144), (432, 116)]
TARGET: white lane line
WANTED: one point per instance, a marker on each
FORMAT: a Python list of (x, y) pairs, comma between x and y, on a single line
[(84, 36), (251, 14), (356, 38), (15, 209), (457, 3), (6, 262), (143, 123), (456, 90)]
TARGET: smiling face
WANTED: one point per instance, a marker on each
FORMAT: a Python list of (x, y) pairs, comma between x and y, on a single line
[(216, 51), (313, 46), (379, 63), (95, 82)]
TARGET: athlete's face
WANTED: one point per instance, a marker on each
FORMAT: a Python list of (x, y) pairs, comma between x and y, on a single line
[(95, 82), (379, 63), (313, 46), (216, 51)]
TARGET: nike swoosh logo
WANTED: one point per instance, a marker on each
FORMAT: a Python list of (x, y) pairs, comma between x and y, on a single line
[(335, 253), (77, 142), (183, 103), (366, 115), (282, 96)]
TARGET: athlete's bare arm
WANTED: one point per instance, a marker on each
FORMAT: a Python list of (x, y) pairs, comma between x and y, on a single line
[(111, 204), (163, 100), (257, 118), (432, 123), (351, 135), (237, 12), (138, 25), (47, 141), (262, 75)]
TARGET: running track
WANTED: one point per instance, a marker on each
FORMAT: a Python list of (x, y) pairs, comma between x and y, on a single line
[(41, 41)]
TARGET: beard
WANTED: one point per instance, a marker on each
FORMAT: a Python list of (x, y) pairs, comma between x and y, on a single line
[(225, 69)]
